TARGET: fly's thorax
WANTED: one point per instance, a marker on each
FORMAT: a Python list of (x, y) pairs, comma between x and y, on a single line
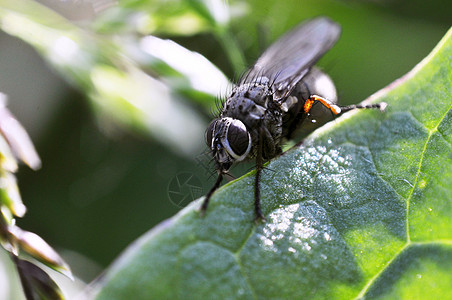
[(252, 103), (249, 114), (249, 102)]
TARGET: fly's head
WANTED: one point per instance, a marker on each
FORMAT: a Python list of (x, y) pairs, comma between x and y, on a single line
[(229, 142)]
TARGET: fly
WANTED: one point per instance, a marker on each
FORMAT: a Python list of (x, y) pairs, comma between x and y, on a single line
[(273, 100)]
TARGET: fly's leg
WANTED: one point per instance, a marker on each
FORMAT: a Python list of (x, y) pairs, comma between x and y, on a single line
[(257, 192), (210, 193), (381, 106), (336, 109), (257, 197)]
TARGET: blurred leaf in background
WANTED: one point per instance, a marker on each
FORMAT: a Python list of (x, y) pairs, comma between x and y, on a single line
[(106, 68), (107, 161), (15, 146)]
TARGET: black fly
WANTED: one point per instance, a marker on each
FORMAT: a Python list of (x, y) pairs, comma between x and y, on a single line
[(273, 99)]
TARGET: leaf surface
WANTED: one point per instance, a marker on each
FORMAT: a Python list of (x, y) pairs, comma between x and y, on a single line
[(362, 208)]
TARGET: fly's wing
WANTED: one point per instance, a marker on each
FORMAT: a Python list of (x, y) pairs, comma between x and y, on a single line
[(289, 59)]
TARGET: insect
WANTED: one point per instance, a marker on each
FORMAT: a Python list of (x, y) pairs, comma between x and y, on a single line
[(274, 100)]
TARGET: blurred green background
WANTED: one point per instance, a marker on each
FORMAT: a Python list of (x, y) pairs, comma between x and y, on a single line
[(106, 168)]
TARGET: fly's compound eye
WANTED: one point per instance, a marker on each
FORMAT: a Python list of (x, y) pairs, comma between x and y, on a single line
[(238, 141), (209, 133)]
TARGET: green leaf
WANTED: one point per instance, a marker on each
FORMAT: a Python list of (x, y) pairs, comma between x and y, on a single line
[(174, 17), (361, 209)]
